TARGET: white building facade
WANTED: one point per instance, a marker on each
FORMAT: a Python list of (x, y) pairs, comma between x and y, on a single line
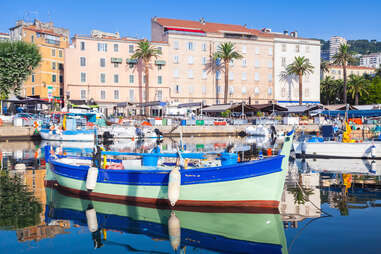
[(334, 45), (372, 60), (286, 91)]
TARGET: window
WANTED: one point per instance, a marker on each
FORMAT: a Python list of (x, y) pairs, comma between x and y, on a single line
[(190, 45), (103, 62), (231, 75), (270, 51), (203, 46), (116, 78), (283, 92), (297, 48), (257, 50), (132, 95), (190, 73), (256, 76), (102, 47), (83, 94), (54, 78), (61, 79), (159, 95), (116, 65), (231, 90), (82, 45), (103, 78), (219, 89), (54, 65), (218, 75), (103, 95), (270, 77), (339, 72), (116, 47), (204, 74), (176, 59), (284, 47), (190, 59), (32, 90), (131, 79), (116, 94), (159, 80), (204, 89), (60, 53), (60, 66), (244, 62), (130, 48), (244, 50), (243, 90), (256, 90), (160, 50), (307, 92), (257, 63), (82, 61), (33, 78), (203, 60), (270, 91), (190, 89), (32, 38), (270, 64), (176, 44), (176, 73), (231, 62), (244, 76), (83, 77), (53, 52), (283, 62), (177, 89)]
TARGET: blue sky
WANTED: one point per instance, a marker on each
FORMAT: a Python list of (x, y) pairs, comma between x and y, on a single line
[(311, 18)]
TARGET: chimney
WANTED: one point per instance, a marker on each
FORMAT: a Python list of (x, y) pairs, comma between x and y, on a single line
[(295, 34), (285, 32), (154, 18), (245, 25), (202, 21)]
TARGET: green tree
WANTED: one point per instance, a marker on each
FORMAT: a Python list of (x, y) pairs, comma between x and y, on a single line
[(357, 86), (300, 67), (226, 52), (374, 92), (343, 57), (323, 67), (144, 53), (17, 61)]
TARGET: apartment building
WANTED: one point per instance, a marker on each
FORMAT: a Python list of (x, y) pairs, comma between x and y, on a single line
[(46, 81), (193, 76), (99, 68), (336, 71), (4, 36), (334, 45), (372, 60), (286, 48)]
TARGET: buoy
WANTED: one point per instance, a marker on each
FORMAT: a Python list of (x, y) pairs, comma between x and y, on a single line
[(91, 180), (269, 152), (373, 151), (174, 231), (174, 183), (92, 222)]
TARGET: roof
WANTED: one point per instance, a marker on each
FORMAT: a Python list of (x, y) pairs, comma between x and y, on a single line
[(353, 67), (339, 107), (269, 107), (4, 34), (210, 27), (127, 39), (44, 31), (219, 108), (368, 107), (301, 108)]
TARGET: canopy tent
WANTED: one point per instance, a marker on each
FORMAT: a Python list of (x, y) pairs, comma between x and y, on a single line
[(339, 107), (268, 108), (233, 108), (301, 109), (30, 105)]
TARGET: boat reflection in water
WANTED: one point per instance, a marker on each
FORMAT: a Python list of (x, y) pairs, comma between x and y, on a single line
[(228, 232)]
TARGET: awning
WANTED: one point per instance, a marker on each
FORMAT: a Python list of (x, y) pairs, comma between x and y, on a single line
[(116, 60), (132, 61), (267, 107), (151, 104), (352, 113), (190, 105), (124, 104), (160, 62)]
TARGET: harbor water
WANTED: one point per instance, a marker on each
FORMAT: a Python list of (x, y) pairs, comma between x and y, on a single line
[(327, 206)]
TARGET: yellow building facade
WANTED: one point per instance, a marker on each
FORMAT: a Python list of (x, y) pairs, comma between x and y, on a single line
[(46, 81)]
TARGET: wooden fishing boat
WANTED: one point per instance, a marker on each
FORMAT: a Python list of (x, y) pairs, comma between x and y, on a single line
[(226, 232), (256, 183)]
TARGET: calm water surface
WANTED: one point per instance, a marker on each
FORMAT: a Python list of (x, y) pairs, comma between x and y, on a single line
[(328, 206)]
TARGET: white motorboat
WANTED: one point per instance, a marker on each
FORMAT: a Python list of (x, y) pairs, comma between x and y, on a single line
[(127, 132), (82, 135), (332, 149)]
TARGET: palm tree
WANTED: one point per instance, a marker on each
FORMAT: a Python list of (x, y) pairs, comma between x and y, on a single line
[(357, 85), (300, 67), (144, 53), (323, 68), (343, 57), (226, 52)]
